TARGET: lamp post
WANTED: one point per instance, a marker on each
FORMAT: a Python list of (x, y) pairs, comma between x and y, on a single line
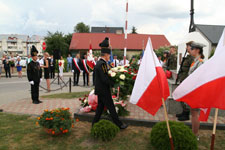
[(27, 45), (192, 24)]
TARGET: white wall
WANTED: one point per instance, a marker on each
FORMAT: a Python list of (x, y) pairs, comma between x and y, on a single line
[(196, 37)]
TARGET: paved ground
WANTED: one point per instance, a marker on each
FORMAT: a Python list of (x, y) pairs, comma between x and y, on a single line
[(26, 107), (14, 89)]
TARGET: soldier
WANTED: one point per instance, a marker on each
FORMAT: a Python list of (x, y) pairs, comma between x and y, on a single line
[(183, 74), (103, 85), (171, 63), (34, 75)]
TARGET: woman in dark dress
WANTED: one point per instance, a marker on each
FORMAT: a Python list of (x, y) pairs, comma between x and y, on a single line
[(46, 70)]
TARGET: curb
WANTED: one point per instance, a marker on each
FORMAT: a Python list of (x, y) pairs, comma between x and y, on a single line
[(145, 123)]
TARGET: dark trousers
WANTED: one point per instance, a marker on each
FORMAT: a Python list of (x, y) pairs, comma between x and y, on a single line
[(7, 72), (107, 101), (76, 76), (52, 72), (35, 92), (85, 76), (93, 78)]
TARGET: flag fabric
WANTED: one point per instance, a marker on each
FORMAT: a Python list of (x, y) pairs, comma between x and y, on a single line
[(205, 87), (151, 84), (90, 59)]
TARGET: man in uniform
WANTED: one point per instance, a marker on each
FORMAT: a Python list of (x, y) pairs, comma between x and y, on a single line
[(182, 75), (103, 85), (34, 75), (76, 69), (171, 63)]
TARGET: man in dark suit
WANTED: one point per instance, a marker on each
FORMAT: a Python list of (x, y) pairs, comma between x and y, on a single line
[(52, 67), (76, 66), (34, 75), (103, 86), (86, 70)]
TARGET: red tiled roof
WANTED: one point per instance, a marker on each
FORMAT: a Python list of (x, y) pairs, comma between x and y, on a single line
[(81, 41)]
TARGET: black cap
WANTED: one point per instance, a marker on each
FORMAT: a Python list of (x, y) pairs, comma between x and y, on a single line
[(105, 46), (33, 51), (197, 45)]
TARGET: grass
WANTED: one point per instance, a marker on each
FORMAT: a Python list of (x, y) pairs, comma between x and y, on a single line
[(19, 132), (67, 95)]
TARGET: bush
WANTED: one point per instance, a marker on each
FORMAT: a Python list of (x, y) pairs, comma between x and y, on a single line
[(183, 138), (57, 121), (104, 130)]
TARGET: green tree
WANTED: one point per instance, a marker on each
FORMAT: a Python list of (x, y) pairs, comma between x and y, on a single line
[(57, 40), (81, 28), (134, 30)]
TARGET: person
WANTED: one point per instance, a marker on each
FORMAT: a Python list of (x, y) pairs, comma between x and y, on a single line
[(34, 76), (12, 62), (115, 61), (171, 63), (93, 75), (86, 71), (19, 68), (76, 69), (46, 67), (52, 67), (160, 60), (103, 87), (6, 67), (182, 75), (61, 66), (69, 62), (165, 58), (122, 62), (1, 64), (197, 53)]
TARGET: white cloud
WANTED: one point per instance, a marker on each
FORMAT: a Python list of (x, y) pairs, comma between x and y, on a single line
[(169, 17)]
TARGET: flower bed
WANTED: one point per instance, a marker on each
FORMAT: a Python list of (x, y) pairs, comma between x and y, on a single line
[(57, 121)]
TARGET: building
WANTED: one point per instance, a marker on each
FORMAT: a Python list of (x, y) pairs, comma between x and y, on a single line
[(135, 42), (117, 30), (20, 44), (208, 35)]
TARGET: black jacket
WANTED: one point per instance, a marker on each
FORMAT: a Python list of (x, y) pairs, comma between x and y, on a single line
[(34, 73), (102, 81), (82, 67), (79, 64)]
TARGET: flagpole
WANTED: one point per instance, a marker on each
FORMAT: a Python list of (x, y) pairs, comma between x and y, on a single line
[(164, 106), (214, 129)]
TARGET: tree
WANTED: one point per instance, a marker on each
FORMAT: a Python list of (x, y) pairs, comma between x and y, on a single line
[(134, 30), (81, 28), (57, 40)]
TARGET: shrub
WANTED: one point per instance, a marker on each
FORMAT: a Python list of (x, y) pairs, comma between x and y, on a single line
[(57, 121), (183, 138), (104, 130)]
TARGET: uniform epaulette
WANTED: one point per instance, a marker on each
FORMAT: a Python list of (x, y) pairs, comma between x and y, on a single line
[(104, 68)]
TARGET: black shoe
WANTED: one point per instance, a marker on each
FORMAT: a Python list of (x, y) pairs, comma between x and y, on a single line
[(123, 126), (179, 115), (40, 101), (184, 118), (35, 102), (1, 110)]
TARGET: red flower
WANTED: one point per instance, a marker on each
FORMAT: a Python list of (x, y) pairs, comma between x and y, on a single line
[(113, 96), (80, 99), (129, 72), (129, 69), (134, 77)]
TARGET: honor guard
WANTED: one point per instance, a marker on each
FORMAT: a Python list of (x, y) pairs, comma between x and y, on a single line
[(34, 75), (103, 86)]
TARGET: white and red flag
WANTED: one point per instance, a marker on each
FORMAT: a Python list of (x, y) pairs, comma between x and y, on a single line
[(205, 87), (151, 84), (90, 59)]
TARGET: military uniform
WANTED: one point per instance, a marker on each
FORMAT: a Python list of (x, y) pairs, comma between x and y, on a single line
[(34, 74), (183, 74), (171, 63), (103, 90)]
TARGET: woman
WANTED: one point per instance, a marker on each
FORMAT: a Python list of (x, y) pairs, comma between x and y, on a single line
[(197, 53), (165, 58), (61, 67), (19, 68), (46, 70), (12, 62)]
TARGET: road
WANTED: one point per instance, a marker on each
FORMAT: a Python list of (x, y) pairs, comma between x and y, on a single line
[(14, 89)]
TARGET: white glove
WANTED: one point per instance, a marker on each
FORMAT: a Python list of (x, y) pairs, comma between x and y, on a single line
[(32, 82), (73, 71), (40, 80)]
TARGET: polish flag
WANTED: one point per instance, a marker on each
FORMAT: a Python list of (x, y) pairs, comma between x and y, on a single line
[(151, 84), (205, 87), (90, 59)]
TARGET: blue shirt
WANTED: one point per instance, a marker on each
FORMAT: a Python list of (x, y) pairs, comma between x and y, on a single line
[(69, 60)]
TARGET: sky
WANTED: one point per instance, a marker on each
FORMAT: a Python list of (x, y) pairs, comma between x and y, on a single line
[(168, 17)]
